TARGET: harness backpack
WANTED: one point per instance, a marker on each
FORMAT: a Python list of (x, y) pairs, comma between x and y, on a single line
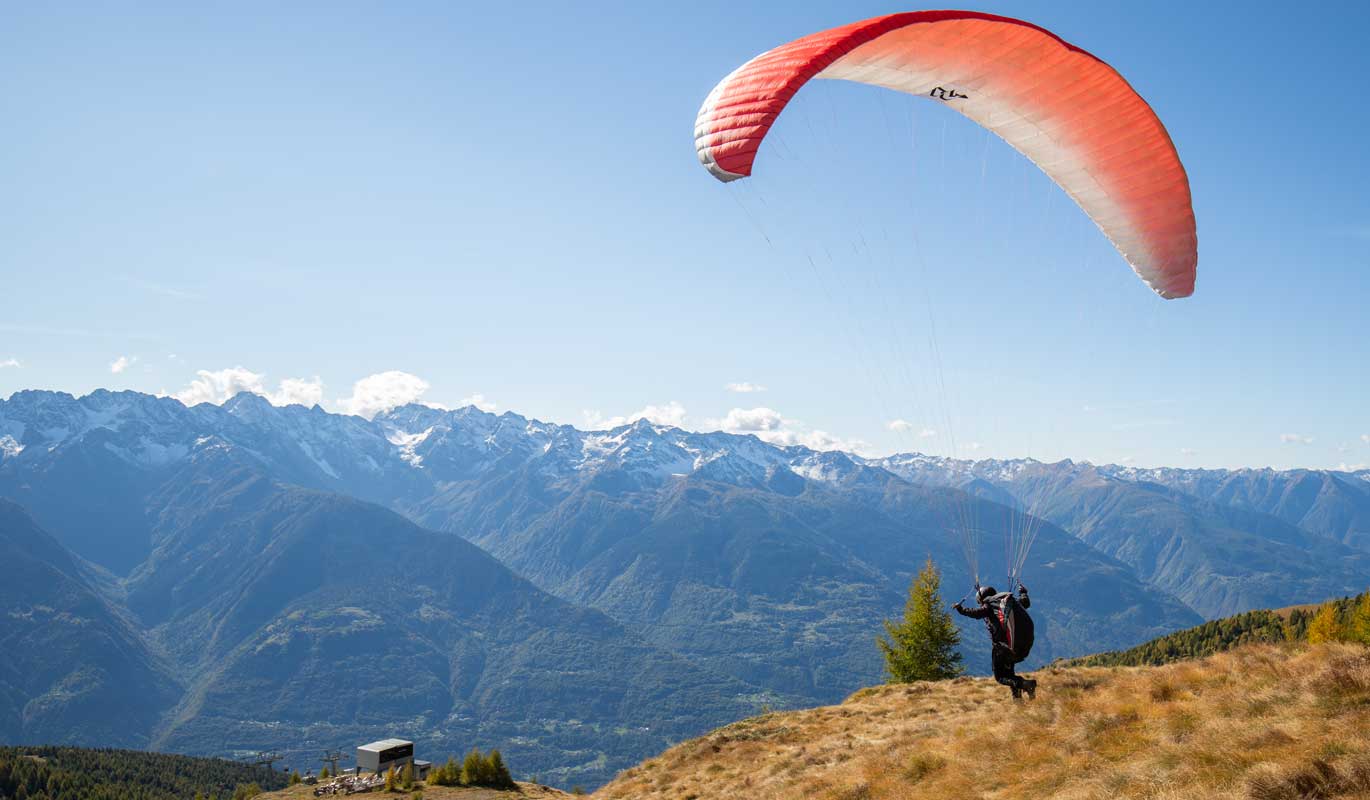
[(1016, 623)]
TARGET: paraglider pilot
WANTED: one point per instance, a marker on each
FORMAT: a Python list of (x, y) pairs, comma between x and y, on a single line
[(997, 611)]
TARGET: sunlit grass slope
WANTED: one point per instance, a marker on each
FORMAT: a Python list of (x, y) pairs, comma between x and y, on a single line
[(525, 791), (1265, 722)]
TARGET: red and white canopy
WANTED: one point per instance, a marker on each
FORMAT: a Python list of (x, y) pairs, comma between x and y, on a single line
[(1069, 112)]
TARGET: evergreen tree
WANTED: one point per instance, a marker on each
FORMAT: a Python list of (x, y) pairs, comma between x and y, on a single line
[(472, 769), (407, 777), (1359, 626), (499, 773), (922, 646), (390, 779), (323, 776), (1296, 626), (1325, 626), (295, 777)]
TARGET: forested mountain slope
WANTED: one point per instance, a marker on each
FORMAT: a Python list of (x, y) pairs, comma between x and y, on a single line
[(74, 668)]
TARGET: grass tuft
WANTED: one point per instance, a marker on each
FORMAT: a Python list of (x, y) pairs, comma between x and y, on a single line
[(922, 765)]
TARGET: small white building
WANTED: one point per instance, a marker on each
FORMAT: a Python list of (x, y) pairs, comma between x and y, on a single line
[(379, 757)]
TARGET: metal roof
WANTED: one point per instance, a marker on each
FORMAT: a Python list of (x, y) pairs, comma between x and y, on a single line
[(383, 744)]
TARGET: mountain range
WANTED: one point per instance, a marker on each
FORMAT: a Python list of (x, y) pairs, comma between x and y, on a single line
[(251, 576)]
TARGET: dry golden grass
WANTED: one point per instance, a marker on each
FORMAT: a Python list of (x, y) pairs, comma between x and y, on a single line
[(525, 791), (1260, 722)]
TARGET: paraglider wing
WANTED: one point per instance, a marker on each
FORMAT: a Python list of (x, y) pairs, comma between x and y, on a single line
[(1067, 111)]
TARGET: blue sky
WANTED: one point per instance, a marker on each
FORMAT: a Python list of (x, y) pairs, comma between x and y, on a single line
[(504, 203)]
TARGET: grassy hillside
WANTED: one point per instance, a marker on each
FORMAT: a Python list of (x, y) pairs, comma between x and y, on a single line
[(72, 773), (1261, 721)]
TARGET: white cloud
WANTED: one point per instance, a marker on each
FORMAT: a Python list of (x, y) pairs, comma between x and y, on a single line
[(904, 426), (745, 387), (217, 386), (672, 414), (1188, 451), (383, 391), (122, 363), (1294, 438), (1345, 467), (771, 426), (752, 420), (821, 440), (302, 391), (1127, 459), (974, 446), (479, 401), (10, 362), (1364, 437)]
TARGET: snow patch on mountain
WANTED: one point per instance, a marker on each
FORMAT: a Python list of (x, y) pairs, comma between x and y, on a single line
[(408, 443), (9, 447), (322, 463)]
